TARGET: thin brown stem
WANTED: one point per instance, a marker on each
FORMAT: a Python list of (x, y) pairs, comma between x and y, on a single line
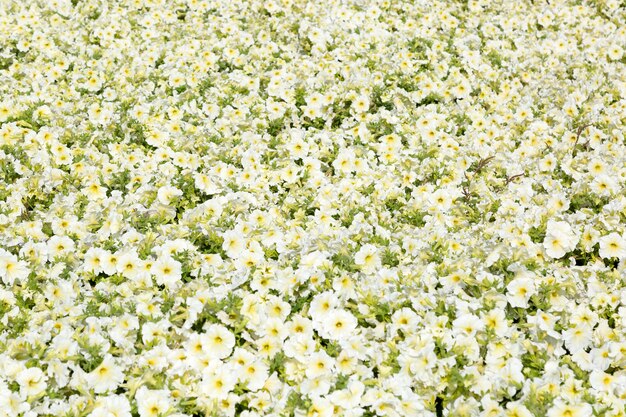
[(578, 133), (512, 177)]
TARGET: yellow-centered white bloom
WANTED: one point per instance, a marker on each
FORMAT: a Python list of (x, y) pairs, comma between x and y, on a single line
[(613, 245), (32, 381), (560, 239)]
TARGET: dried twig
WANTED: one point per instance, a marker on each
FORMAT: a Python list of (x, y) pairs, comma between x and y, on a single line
[(512, 177), (578, 133), (483, 163), (466, 192)]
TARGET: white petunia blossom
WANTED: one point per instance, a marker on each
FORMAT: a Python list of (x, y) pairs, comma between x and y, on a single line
[(519, 291), (367, 258), (613, 245), (11, 269), (167, 271), (32, 381), (105, 377), (560, 239)]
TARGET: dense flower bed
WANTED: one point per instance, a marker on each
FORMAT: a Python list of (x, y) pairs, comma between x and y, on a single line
[(292, 208)]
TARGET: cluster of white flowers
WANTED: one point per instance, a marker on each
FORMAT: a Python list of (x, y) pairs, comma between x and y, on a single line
[(312, 208)]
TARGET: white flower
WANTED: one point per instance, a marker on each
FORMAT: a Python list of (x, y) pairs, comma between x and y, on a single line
[(299, 346), (219, 341), (167, 271), (441, 200), (613, 246), (11, 404), (153, 331), (560, 239), (205, 184), (322, 306), (32, 381), (344, 162), (496, 320), (368, 259), (234, 243), (319, 364), (59, 246), (321, 407), (11, 269), (176, 79), (349, 397), (109, 261), (516, 409), (405, 319), (167, 194), (315, 387), (548, 163), (339, 324), (6, 108), (151, 403), (105, 377), (94, 258), (274, 328), (601, 381), (99, 114), (467, 325), (129, 265), (218, 383), (615, 52), (361, 104), (111, 406), (255, 374), (604, 185), (562, 409), (577, 338), (519, 291)]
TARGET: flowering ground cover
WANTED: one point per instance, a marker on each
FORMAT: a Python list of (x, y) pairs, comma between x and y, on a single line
[(312, 208)]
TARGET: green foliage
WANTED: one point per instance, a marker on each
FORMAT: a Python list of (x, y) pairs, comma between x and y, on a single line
[(537, 234)]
